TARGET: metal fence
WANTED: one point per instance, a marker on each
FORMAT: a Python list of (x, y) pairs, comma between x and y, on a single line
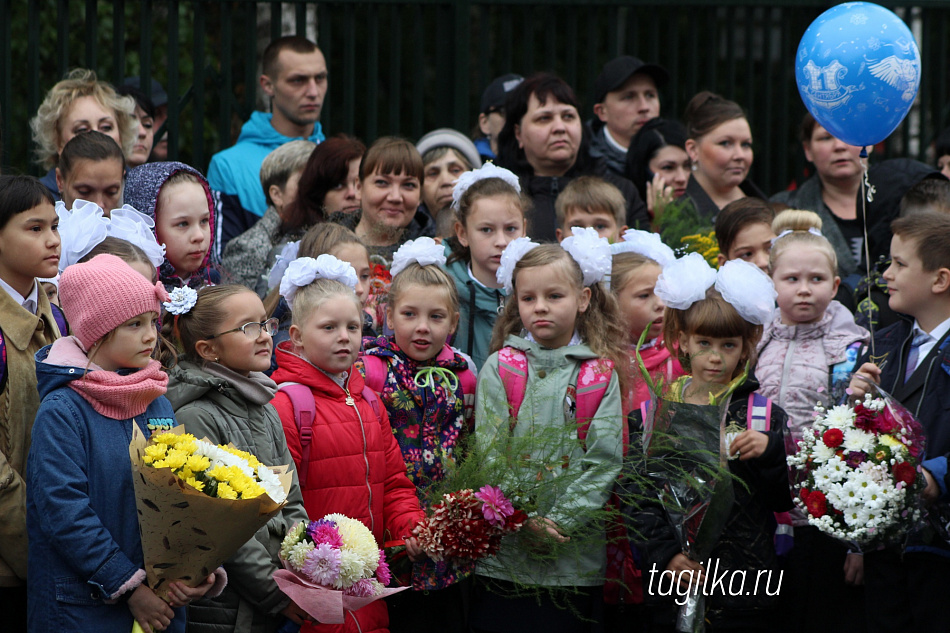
[(407, 67)]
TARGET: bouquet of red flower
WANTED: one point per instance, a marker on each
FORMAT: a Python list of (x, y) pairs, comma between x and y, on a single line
[(859, 470), (468, 525)]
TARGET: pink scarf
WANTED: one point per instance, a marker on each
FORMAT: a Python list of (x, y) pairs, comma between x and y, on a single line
[(111, 394)]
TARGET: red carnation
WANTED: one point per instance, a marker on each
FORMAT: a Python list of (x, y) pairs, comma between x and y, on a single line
[(833, 438), (885, 423), (816, 504), (905, 473), (864, 418)]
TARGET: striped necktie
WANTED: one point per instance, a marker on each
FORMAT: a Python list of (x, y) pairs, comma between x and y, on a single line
[(912, 356)]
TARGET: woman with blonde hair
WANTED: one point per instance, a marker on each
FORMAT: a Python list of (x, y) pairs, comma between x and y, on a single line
[(80, 103)]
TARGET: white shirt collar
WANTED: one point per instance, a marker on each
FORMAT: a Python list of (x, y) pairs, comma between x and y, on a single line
[(575, 339), (472, 277), (935, 335), (30, 302), (612, 141)]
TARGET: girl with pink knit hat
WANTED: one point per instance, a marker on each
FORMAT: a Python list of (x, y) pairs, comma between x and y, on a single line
[(86, 568)]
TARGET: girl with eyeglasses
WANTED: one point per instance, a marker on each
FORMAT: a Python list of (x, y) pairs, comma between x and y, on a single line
[(219, 392)]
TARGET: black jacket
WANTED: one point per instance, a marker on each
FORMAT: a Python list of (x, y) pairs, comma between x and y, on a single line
[(705, 205), (761, 488)]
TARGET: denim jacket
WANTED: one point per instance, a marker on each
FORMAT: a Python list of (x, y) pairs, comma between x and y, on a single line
[(84, 545)]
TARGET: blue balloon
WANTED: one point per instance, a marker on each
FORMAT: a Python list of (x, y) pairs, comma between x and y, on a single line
[(858, 71)]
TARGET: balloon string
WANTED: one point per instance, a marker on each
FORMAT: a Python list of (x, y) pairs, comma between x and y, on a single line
[(867, 194)]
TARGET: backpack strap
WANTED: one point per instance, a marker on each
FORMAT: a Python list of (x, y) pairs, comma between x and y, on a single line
[(513, 369), (375, 372), (370, 396), (3, 363), (305, 410), (596, 373), (759, 412), (60, 319)]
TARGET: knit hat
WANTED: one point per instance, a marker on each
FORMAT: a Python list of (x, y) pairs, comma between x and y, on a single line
[(447, 137), (102, 294)]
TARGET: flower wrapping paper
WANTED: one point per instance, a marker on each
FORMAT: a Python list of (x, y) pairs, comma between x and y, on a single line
[(186, 534)]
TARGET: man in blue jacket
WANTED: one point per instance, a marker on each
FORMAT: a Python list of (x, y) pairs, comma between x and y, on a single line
[(294, 76)]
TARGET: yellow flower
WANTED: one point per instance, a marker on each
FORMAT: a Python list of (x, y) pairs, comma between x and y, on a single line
[(187, 444), (155, 451), (197, 463), (226, 492), (891, 443), (194, 483), (219, 472), (165, 438), (175, 458), (251, 460)]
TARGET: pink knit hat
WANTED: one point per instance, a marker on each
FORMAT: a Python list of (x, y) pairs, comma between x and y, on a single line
[(102, 294)]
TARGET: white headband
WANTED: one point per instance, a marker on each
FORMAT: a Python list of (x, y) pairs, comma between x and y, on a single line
[(424, 251), (510, 257), (591, 252), (743, 285), (133, 226), (303, 271), (81, 229), (647, 244), (488, 170), (811, 230), (287, 255)]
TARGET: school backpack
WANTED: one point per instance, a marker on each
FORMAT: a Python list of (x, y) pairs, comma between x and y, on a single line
[(61, 323), (375, 374), (623, 577), (305, 411), (758, 418)]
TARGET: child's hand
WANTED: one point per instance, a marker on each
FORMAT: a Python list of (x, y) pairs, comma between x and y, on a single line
[(749, 444), (659, 195), (413, 551), (854, 569), (295, 614), (681, 563), (859, 387), (932, 490), (547, 528), (181, 595), (150, 611)]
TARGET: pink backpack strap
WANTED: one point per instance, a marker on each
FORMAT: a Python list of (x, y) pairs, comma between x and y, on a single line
[(375, 372), (305, 410), (759, 412), (370, 396), (513, 369), (593, 378)]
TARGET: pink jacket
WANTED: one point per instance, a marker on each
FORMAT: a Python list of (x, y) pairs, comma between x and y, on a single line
[(795, 362)]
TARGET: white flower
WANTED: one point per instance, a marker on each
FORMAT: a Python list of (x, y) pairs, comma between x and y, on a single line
[(181, 300), (81, 229), (822, 453), (294, 536), (488, 170), (424, 251), (303, 271), (270, 482), (510, 257), (841, 417), (590, 251), (128, 224), (857, 440), (748, 290), (645, 243), (685, 281), (298, 554)]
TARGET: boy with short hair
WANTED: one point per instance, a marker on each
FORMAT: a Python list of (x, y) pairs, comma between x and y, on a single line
[(592, 202), (29, 248), (907, 583)]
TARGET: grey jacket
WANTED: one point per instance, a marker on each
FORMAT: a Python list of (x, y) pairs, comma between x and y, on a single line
[(245, 256), (222, 406)]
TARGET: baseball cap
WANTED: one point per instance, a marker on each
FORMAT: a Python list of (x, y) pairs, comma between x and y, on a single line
[(497, 91), (619, 70), (159, 96)]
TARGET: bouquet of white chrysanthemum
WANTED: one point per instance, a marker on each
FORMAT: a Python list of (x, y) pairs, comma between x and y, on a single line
[(858, 468), (332, 564)]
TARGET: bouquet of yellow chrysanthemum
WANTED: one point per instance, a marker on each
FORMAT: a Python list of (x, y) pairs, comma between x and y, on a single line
[(198, 503)]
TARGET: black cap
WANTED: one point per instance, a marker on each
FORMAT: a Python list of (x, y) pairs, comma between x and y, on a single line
[(159, 96), (497, 91), (617, 71)]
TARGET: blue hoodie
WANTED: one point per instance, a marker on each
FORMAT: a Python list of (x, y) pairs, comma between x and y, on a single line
[(235, 174), (84, 544)]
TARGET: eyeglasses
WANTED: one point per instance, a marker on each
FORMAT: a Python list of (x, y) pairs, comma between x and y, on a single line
[(253, 330)]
